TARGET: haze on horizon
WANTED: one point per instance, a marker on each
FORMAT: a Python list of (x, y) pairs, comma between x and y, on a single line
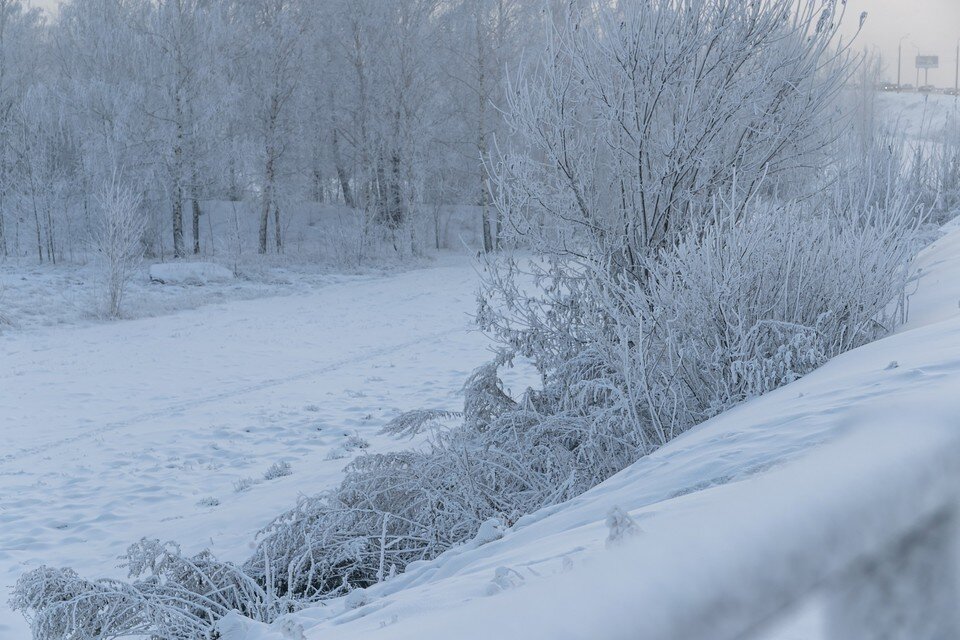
[(926, 27)]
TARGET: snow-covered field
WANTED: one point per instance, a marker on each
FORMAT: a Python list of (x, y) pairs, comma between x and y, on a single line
[(919, 115), (147, 427), (322, 243)]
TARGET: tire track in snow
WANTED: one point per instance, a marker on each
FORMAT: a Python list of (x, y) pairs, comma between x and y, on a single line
[(225, 395)]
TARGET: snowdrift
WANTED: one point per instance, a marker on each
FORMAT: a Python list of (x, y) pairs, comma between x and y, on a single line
[(192, 273)]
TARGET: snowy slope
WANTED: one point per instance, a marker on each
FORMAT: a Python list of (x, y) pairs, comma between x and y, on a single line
[(116, 431), (915, 373), (919, 116)]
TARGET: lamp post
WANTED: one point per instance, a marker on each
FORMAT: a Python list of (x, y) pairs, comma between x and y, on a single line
[(956, 78), (916, 86), (900, 58)]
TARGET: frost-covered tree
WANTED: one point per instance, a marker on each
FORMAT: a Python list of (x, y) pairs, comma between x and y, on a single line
[(21, 65), (269, 50), (178, 68), (118, 239)]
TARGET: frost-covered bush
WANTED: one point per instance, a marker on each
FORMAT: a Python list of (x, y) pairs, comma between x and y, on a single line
[(734, 309), (245, 484), (170, 597), (935, 173), (390, 510), (278, 470), (638, 117), (117, 239), (737, 310), (410, 423), (507, 458)]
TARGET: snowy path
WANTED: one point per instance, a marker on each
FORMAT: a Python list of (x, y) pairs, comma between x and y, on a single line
[(117, 431)]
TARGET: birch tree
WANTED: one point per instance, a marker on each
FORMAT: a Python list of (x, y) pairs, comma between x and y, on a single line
[(271, 56)]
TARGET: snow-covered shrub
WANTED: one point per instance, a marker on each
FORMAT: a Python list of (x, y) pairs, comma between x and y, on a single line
[(485, 398), (934, 173), (245, 484), (170, 597), (737, 310), (512, 458), (390, 510), (117, 239), (620, 527), (278, 470), (638, 117), (410, 423)]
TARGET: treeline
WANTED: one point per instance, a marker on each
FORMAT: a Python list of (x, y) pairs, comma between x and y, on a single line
[(380, 106)]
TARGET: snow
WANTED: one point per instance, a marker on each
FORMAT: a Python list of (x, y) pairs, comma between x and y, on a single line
[(919, 115), (146, 428), (935, 296), (675, 570), (193, 273), (556, 561), (140, 428), (170, 426)]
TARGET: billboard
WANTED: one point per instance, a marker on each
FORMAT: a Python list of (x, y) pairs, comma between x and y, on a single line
[(928, 62)]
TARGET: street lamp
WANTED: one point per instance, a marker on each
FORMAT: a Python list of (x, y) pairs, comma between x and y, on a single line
[(900, 58), (956, 78)]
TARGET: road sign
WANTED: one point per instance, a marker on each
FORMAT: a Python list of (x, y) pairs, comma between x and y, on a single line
[(928, 62)]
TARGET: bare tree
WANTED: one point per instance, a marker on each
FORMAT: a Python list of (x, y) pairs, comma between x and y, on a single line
[(271, 61), (638, 118), (117, 238)]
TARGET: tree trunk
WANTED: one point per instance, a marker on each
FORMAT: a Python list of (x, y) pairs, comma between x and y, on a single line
[(488, 244), (383, 197), (342, 174), (276, 228), (3, 236), (267, 202), (36, 219), (397, 213), (196, 225), (501, 62), (178, 251), (51, 242), (319, 193)]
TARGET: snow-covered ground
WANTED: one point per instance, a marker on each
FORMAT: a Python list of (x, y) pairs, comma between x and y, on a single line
[(164, 426), (323, 244), (146, 427), (919, 115), (507, 588)]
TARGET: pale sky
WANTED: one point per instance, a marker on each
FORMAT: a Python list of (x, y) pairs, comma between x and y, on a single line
[(928, 27), (932, 26)]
